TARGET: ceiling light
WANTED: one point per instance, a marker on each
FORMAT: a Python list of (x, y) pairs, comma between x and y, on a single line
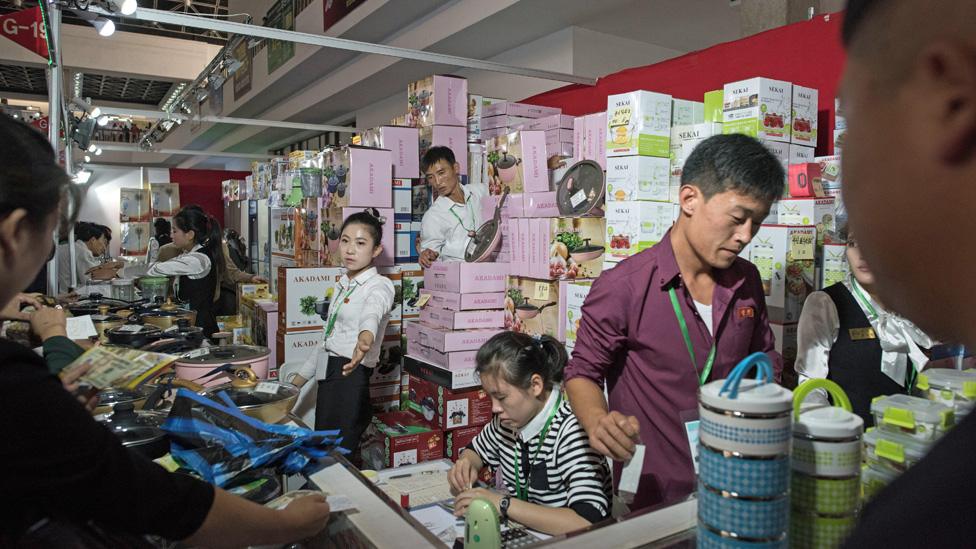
[(87, 158), (102, 120), (98, 151), (104, 26), (128, 7), (82, 177), (92, 148)]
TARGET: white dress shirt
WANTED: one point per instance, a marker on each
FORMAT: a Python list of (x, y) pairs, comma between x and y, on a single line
[(84, 261), (193, 264), (533, 428), (445, 226), (368, 309), (820, 324)]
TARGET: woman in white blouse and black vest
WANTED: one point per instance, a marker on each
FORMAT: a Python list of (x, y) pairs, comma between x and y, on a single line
[(358, 313), (846, 335), (555, 481)]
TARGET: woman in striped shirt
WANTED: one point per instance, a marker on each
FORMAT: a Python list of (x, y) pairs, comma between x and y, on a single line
[(555, 481)]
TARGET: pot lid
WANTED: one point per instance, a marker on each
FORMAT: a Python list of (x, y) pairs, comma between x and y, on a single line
[(113, 396), (167, 312), (133, 427), (581, 189), (961, 382), (483, 243), (754, 397), (134, 329), (223, 354), (95, 300), (106, 318), (833, 422), (264, 392)]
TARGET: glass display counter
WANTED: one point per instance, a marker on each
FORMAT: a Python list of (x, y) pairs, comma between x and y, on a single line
[(380, 522)]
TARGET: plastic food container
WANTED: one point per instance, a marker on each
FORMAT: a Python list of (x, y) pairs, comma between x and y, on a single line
[(873, 479), (831, 496), (743, 475), (916, 417), (123, 289), (891, 451), (708, 538), (810, 530), (757, 518), (154, 288), (826, 439), (953, 388)]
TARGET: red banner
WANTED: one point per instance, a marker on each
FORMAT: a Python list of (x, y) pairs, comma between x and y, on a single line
[(26, 27)]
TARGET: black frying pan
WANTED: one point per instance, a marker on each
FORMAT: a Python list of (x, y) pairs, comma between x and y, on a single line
[(486, 240)]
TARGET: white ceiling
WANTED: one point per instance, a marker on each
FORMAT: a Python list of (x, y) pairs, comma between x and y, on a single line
[(686, 25)]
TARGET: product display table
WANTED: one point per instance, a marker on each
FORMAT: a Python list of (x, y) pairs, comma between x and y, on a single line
[(380, 522)]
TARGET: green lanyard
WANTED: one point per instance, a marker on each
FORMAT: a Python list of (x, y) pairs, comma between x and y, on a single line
[(691, 349), (460, 221), (520, 492), (335, 314), (911, 373)]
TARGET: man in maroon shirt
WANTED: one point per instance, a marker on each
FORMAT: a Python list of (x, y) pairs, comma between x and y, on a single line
[(672, 317)]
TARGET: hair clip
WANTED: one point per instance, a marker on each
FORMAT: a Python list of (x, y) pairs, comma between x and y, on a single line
[(376, 214)]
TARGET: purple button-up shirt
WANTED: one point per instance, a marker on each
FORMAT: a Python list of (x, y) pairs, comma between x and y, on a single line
[(629, 337)]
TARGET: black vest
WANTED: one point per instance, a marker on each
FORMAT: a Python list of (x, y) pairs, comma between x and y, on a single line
[(199, 294), (855, 365)]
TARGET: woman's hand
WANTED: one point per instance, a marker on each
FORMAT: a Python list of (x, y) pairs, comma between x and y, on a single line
[(48, 322), (69, 380), (12, 310), (464, 499), (306, 516), (462, 475), (363, 345), (427, 258)]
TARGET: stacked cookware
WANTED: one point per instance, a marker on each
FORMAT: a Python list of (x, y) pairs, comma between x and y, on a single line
[(744, 459), (825, 487)]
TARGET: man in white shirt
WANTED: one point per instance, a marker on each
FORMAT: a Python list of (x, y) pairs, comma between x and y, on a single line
[(455, 215)]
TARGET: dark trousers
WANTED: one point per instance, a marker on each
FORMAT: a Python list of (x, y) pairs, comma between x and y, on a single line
[(343, 404)]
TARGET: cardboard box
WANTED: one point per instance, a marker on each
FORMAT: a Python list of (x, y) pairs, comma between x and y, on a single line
[(638, 178), (466, 278), (252, 290), (808, 211), (595, 138), (298, 290), (452, 137), (804, 116), (456, 378), (465, 302), (447, 409), (759, 107), (684, 112), (403, 242), (460, 361), (552, 122), (388, 365), (518, 161), (786, 345), (540, 205), (635, 226), (282, 238), (363, 175), (566, 248), (457, 440), (264, 330), (713, 106), (396, 439), (559, 135), (684, 139), (438, 100), (422, 196), (518, 109), (560, 149), (476, 164), (502, 121), (579, 130), (476, 104), (800, 154), (395, 274), (403, 198), (804, 181), (785, 256), (638, 123), (447, 341), (385, 398), (413, 281), (386, 257), (830, 174), (462, 320), (524, 312), (296, 346), (402, 142), (576, 293), (835, 267)]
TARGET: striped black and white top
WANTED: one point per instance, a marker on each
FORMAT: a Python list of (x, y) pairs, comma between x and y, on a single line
[(567, 472)]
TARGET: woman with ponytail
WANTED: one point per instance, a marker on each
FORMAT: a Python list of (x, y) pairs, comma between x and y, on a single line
[(555, 481), (200, 265)]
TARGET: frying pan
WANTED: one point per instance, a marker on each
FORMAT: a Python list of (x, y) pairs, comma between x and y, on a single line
[(580, 191), (528, 311), (485, 242), (586, 252)]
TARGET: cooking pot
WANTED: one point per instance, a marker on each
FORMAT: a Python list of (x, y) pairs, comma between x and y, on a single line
[(95, 304), (167, 315), (581, 190), (109, 398), (586, 252), (486, 240), (267, 401), (105, 321), (507, 167), (154, 288), (139, 431), (133, 335), (528, 311), (199, 364)]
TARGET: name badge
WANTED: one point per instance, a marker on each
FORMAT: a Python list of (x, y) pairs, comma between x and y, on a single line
[(860, 334)]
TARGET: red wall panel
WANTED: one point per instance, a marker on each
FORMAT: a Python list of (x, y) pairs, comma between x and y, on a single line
[(203, 187)]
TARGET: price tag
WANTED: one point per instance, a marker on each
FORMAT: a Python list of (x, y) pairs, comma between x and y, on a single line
[(197, 353), (818, 190), (541, 291), (131, 328), (423, 300), (801, 246), (269, 387), (577, 198)]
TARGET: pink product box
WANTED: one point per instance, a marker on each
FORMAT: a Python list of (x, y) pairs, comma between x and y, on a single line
[(386, 258), (559, 135), (495, 132), (404, 144), (462, 320), (553, 122), (595, 138), (465, 302), (504, 257), (579, 130), (525, 246), (459, 360), (452, 137), (562, 149), (364, 175), (447, 341), (514, 206), (438, 101), (495, 122), (515, 250), (518, 109), (519, 162), (466, 278), (540, 204)]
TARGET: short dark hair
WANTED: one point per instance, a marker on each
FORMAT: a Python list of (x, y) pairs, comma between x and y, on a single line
[(734, 162), (162, 226), (372, 223), (85, 231), (855, 16), (517, 356), (436, 154)]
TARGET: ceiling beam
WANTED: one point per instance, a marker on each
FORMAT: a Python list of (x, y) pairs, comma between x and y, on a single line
[(137, 149), (162, 115)]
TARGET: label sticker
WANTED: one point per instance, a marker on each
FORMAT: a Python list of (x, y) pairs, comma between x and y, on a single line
[(269, 387), (577, 198), (541, 291)]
